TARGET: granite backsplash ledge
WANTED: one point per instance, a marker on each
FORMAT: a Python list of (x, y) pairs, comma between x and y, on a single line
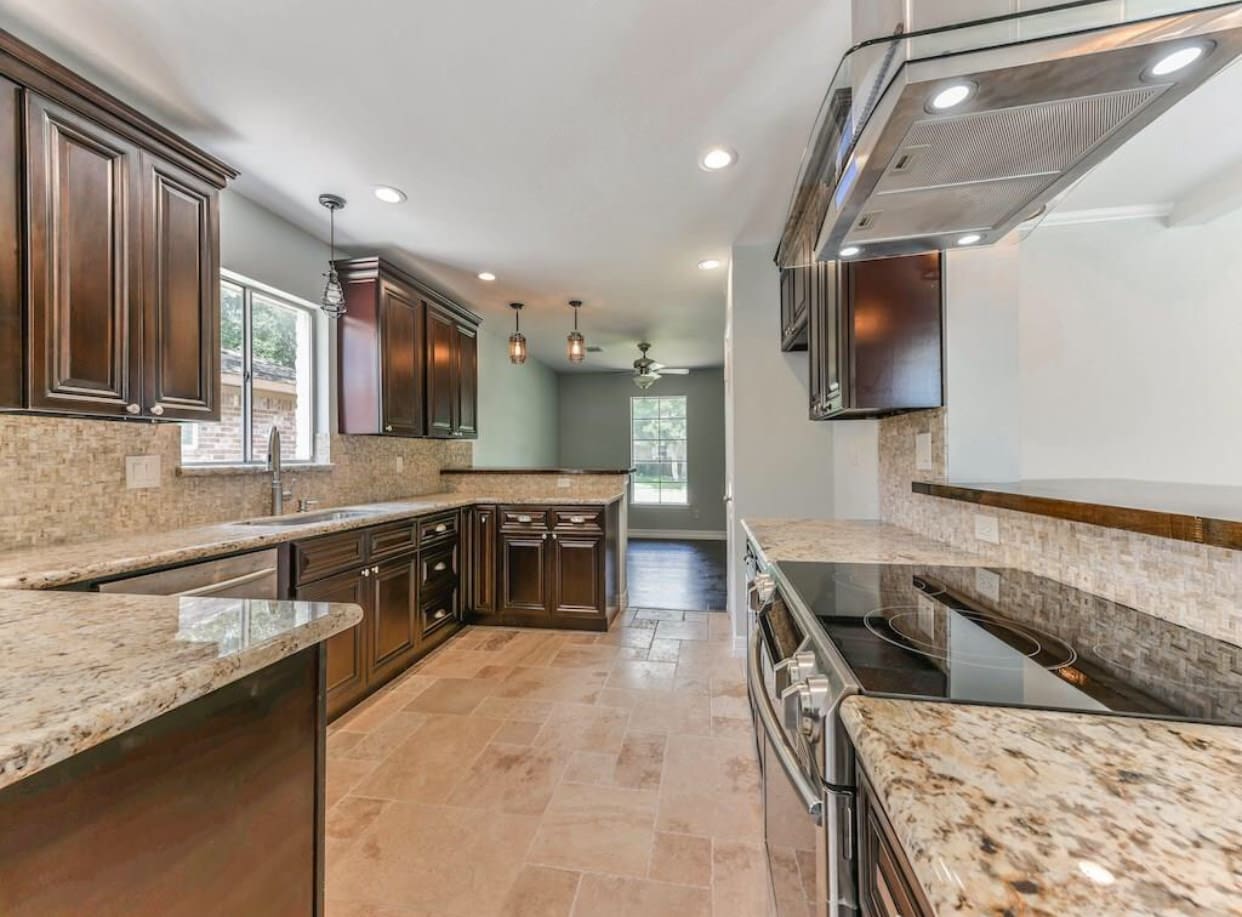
[(64, 479), (1194, 585)]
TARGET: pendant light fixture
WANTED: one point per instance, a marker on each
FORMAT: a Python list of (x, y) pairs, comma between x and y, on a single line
[(576, 351), (333, 301), (517, 340)]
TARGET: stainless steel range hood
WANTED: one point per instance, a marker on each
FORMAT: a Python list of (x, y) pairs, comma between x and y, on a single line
[(1040, 95)]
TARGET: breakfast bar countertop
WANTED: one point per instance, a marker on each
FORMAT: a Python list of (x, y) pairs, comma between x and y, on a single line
[(82, 667), (1007, 811)]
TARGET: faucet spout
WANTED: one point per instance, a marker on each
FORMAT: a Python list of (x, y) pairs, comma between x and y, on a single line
[(273, 450), (274, 466)]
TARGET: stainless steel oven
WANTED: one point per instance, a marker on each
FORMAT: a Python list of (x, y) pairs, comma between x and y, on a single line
[(808, 817)]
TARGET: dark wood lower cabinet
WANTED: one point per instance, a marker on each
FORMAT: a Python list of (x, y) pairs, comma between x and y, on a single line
[(394, 621), (481, 560), (524, 582), (577, 567), (346, 678), (215, 807), (886, 884)]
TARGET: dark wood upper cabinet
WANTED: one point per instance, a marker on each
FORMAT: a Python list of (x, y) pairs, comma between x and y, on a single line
[(401, 360), (466, 340), (876, 337), (109, 238), (796, 290)]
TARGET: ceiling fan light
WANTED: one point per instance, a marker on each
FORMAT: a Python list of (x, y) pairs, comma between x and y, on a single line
[(644, 382)]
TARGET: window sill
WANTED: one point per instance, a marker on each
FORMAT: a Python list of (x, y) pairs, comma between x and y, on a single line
[(219, 471)]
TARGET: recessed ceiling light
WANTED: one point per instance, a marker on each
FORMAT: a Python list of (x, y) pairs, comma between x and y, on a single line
[(389, 194), (969, 239), (487, 275), (850, 251), (1177, 60), (717, 158), (952, 96), (709, 264)]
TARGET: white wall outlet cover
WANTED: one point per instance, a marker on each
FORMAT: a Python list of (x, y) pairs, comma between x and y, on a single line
[(562, 483), (142, 471), (987, 583), (987, 528), (923, 451)]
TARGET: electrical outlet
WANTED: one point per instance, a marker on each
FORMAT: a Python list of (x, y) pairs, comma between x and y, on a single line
[(400, 464), (987, 583), (142, 471), (562, 483), (987, 528), (922, 451)]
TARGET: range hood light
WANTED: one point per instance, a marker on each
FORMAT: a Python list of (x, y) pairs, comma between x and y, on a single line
[(1177, 60), (969, 239), (850, 251), (952, 96)]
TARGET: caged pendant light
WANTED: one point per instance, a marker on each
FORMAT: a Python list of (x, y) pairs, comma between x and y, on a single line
[(517, 340), (333, 301), (576, 350)]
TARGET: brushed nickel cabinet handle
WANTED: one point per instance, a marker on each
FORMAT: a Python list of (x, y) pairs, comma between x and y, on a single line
[(439, 614), (388, 428), (441, 528), (132, 409), (577, 520), (523, 518)]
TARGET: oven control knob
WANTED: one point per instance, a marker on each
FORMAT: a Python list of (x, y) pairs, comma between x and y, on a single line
[(764, 586), (796, 668), (803, 704)]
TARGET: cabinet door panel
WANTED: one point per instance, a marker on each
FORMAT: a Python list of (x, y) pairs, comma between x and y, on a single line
[(182, 294), (401, 362), (577, 564), (467, 382), (346, 651), (482, 563), (85, 284), (524, 574), (394, 633), (12, 244), (441, 373)]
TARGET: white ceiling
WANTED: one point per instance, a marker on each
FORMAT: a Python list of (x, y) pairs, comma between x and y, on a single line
[(552, 142)]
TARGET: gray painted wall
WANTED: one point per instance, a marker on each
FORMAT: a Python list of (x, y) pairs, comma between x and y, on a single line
[(517, 404), (595, 433)]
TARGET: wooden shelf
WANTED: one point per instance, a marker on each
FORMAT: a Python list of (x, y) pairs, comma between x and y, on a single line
[(1199, 513)]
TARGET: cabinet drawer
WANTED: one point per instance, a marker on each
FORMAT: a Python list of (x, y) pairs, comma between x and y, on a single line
[(439, 568), (523, 518), (436, 528), (393, 539), (318, 557), (580, 519), (438, 610)]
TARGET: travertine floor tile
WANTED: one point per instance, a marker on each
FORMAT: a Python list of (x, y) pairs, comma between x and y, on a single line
[(681, 630), (640, 763), (711, 788), (541, 891), (672, 713), (432, 761), (740, 886), (351, 816), (592, 767), (517, 733), (681, 859), (452, 695), (509, 708), (510, 778), (343, 775), (612, 896), (597, 828), (664, 649), (583, 727), (566, 685), (634, 675)]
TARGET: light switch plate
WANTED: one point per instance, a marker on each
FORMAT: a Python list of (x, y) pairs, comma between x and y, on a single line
[(987, 528), (922, 451), (142, 471), (562, 483), (987, 583)]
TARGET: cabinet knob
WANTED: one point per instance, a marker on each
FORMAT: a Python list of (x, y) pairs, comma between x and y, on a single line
[(157, 410), (482, 517), (439, 614), (439, 567), (441, 528), (132, 409), (388, 428), (554, 536), (375, 570), (366, 571)]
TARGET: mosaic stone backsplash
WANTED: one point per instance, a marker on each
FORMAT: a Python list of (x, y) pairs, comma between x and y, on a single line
[(536, 485), (1196, 586), (63, 480)]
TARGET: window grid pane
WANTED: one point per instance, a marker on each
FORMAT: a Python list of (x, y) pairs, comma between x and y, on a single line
[(658, 450)]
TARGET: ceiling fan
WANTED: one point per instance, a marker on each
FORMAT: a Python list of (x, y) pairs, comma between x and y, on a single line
[(647, 372)]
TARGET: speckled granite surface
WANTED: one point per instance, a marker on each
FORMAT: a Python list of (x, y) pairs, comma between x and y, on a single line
[(81, 668), (848, 541), (1004, 811), (63, 565)]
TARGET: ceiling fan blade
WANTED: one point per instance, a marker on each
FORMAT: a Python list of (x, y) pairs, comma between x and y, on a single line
[(675, 372), (656, 366)]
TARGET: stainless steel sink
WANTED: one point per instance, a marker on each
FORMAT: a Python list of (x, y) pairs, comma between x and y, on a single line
[(335, 515)]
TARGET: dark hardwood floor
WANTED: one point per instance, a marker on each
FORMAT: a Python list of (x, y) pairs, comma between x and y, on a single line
[(685, 575)]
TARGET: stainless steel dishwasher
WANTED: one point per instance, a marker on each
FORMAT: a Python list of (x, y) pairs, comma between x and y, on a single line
[(243, 576)]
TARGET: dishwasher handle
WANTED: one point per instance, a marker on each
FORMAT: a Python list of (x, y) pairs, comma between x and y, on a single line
[(214, 588), (777, 740)]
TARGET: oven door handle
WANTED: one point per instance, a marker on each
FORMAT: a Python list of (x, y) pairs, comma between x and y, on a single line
[(777, 740)]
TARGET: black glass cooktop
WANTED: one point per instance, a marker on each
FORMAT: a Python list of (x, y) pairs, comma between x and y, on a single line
[(1000, 636)]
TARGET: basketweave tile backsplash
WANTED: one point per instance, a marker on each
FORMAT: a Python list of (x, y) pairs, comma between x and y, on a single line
[(63, 480), (1196, 586)]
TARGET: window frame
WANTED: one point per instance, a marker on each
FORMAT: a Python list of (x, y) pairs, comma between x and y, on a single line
[(249, 458), (634, 501)]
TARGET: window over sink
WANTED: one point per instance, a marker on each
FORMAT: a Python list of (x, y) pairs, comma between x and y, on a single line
[(268, 354), (658, 450)]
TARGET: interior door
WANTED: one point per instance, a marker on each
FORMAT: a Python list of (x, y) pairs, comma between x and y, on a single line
[(401, 361), (85, 284), (467, 375), (346, 651), (181, 316), (524, 574), (441, 373), (394, 629)]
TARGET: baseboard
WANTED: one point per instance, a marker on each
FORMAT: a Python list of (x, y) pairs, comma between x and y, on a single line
[(678, 534)]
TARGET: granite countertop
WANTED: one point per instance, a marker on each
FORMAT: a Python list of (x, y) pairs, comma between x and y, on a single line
[(52, 567), (859, 541), (81, 668), (1005, 811), (514, 470)]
